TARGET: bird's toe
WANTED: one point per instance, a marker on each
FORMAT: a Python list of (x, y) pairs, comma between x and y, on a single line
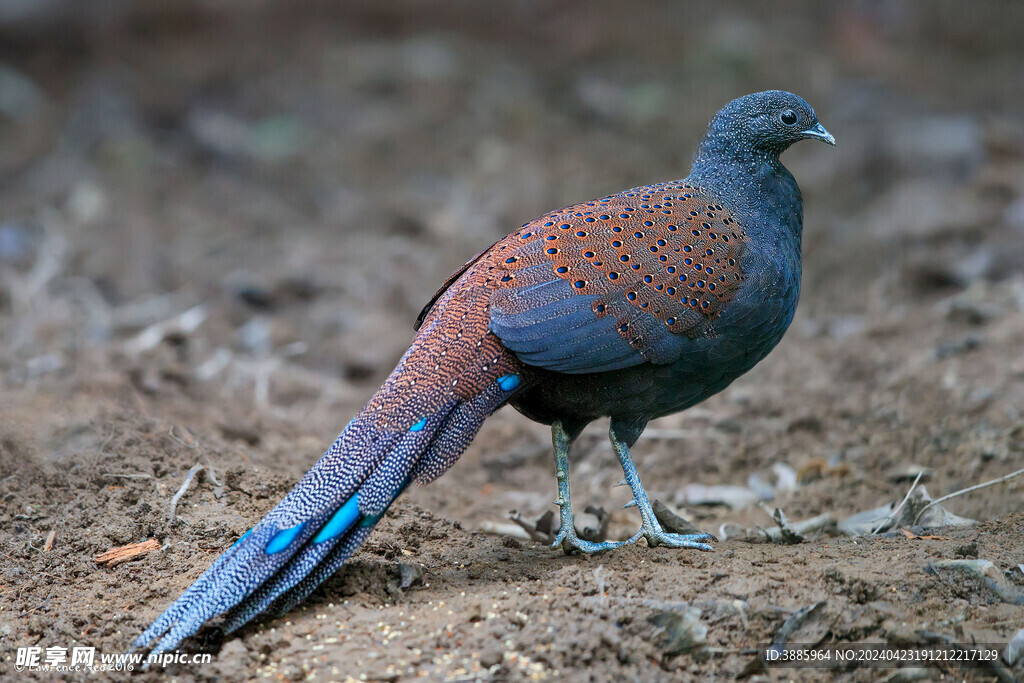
[(657, 537), (571, 543)]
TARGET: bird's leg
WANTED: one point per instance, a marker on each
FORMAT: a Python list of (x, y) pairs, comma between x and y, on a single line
[(567, 537), (651, 528)]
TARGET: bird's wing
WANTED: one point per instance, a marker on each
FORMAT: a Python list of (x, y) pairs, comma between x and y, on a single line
[(615, 282)]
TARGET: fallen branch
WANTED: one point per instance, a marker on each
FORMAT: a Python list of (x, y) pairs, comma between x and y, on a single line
[(823, 522), (969, 489)]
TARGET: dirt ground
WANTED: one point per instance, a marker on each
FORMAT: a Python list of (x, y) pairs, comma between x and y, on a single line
[(219, 220)]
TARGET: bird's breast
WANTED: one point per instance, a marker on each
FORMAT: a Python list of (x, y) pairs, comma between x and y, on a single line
[(762, 309)]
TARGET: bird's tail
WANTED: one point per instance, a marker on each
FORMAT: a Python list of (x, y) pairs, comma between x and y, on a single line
[(415, 427)]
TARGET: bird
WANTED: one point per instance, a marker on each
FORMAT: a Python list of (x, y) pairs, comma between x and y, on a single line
[(630, 307)]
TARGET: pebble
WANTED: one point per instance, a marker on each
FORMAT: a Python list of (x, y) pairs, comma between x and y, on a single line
[(492, 657)]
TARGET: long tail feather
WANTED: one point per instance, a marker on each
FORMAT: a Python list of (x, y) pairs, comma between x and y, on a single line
[(362, 509), (415, 427)]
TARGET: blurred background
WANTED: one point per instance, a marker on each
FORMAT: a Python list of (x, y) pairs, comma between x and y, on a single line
[(227, 214)]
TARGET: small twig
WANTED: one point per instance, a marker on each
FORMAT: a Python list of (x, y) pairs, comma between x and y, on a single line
[(48, 546), (184, 487), (116, 556), (803, 527), (210, 474), (969, 489), (139, 475), (891, 517), (39, 606), (193, 445), (785, 533), (793, 623), (530, 529)]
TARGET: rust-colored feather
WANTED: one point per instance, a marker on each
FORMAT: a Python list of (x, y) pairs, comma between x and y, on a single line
[(665, 254), (668, 249)]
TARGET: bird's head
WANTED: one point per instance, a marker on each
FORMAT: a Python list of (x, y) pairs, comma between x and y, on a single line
[(767, 122)]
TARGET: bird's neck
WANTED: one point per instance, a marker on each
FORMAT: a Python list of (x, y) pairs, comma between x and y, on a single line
[(763, 191)]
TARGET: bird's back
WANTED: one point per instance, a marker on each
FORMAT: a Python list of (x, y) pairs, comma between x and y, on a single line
[(640, 303)]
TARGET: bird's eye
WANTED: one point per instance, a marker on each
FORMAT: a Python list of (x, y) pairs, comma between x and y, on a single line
[(788, 117)]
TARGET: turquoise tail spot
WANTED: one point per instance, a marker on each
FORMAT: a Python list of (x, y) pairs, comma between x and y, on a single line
[(242, 538), (508, 382), (418, 427), (283, 539), (341, 522)]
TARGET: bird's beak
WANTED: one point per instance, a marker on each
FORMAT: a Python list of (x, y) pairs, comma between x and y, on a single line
[(819, 133)]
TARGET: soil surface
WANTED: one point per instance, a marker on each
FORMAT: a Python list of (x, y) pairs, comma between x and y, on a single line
[(218, 222)]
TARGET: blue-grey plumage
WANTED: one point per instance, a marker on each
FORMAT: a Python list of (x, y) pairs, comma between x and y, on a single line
[(632, 306)]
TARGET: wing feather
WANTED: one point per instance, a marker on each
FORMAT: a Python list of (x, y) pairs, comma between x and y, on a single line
[(628, 279)]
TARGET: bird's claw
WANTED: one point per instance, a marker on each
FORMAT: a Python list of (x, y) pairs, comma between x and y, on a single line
[(571, 543), (656, 537)]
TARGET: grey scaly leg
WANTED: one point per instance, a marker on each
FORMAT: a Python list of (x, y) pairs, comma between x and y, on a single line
[(651, 529), (567, 537)]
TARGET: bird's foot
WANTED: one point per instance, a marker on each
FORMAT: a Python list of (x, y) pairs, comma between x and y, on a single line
[(571, 543), (651, 528), (567, 537), (657, 537)]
